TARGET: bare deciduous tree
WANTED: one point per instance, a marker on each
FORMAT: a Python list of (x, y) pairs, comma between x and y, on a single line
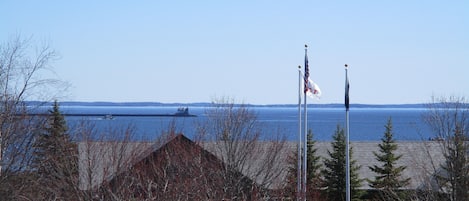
[(102, 154), (234, 135), (449, 120), (21, 70)]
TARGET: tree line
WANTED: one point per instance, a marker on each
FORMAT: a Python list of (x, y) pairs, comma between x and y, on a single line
[(326, 178)]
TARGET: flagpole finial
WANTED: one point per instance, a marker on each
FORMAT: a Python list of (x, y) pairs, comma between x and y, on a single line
[(306, 46), (346, 66), (299, 67)]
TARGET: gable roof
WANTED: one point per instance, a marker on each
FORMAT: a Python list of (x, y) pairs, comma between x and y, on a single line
[(101, 161), (178, 167)]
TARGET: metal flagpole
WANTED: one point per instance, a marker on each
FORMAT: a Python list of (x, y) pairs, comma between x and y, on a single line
[(298, 192), (347, 139), (306, 76)]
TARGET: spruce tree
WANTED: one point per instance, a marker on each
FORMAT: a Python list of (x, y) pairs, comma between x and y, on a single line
[(55, 158), (388, 175), (313, 181), (335, 170), (313, 170)]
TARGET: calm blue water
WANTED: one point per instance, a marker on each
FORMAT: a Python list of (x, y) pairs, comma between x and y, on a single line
[(366, 124)]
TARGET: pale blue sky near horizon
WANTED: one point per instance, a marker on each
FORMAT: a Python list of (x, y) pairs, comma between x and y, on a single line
[(398, 52)]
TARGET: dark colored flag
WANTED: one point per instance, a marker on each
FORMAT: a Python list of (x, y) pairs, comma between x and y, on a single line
[(347, 87)]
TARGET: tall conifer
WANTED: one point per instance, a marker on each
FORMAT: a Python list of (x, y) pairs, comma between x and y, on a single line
[(314, 181), (388, 175), (335, 167), (55, 158)]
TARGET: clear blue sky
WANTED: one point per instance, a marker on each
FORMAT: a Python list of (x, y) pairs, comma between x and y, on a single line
[(193, 51)]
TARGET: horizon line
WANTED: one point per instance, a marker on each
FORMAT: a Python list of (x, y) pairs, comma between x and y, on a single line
[(208, 103)]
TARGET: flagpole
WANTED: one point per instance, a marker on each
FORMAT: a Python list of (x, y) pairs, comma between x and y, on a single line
[(306, 76), (298, 192), (347, 139)]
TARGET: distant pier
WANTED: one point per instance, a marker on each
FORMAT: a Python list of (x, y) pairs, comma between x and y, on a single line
[(181, 112), (124, 115)]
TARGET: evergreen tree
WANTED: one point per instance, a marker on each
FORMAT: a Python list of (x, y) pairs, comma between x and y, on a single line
[(313, 165), (389, 175), (313, 181), (335, 170), (55, 158)]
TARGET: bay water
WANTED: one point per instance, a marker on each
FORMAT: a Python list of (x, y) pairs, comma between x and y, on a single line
[(366, 124)]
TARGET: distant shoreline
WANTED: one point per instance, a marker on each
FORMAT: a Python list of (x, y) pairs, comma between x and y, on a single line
[(204, 104)]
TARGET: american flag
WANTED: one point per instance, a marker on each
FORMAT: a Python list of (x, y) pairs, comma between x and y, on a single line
[(306, 76)]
